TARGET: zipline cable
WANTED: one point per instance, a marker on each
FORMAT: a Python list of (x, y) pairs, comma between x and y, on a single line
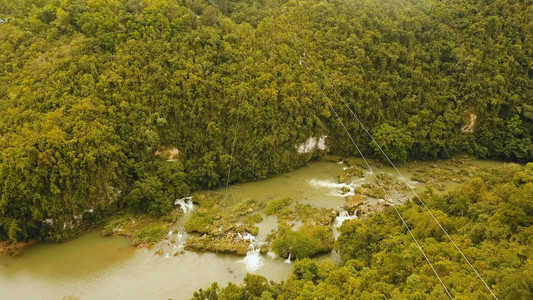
[(393, 165), (367, 164), (377, 179), (233, 147), (223, 202)]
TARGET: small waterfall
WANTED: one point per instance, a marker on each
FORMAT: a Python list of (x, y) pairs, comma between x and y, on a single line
[(343, 216), (297, 225), (89, 210), (174, 243), (253, 260), (325, 184), (247, 237), (181, 237), (79, 216), (185, 204), (337, 187), (288, 260)]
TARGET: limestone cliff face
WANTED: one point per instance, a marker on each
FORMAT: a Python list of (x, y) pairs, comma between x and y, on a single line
[(312, 144), (470, 126)]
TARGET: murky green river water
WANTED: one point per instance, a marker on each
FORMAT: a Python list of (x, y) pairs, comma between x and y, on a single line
[(96, 267)]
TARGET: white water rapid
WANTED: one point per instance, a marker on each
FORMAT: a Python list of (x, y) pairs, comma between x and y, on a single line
[(253, 260), (343, 216), (185, 204)]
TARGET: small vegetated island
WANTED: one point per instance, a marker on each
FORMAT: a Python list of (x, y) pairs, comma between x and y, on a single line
[(110, 111)]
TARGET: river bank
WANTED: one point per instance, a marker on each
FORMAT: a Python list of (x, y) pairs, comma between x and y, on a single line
[(97, 267), (15, 249), (350, 184)]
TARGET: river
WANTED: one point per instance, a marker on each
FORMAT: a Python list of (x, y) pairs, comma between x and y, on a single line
[(96, 267)]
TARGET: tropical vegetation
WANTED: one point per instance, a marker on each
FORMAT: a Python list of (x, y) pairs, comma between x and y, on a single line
[(126, 105), (490, 218)]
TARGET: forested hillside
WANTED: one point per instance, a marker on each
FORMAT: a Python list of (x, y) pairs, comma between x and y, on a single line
[(92, 90), (490, 217)]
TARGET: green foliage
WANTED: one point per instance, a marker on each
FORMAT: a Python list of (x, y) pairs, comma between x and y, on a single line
[(307, 241), (150, 233), (253, 219), (244, 207), (250, 222), (361, 239), (276, 205), (91, 90), (315, 216), (160, 183), (213, 231), (146, 196), (395, 142), (202, 220), (206, 200), (142, 228), (219, 243), (489, 217)]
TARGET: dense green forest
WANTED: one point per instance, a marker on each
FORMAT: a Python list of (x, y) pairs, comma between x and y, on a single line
[(490, 217), (91, 90)]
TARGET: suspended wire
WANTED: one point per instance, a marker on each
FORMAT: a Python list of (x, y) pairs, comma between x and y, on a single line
[(223, 202), (233, 147), (377, 179), (301, 60), (390, 161)]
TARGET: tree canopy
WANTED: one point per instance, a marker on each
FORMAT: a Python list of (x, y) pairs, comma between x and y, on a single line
[(490, 218), (90, 90)]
